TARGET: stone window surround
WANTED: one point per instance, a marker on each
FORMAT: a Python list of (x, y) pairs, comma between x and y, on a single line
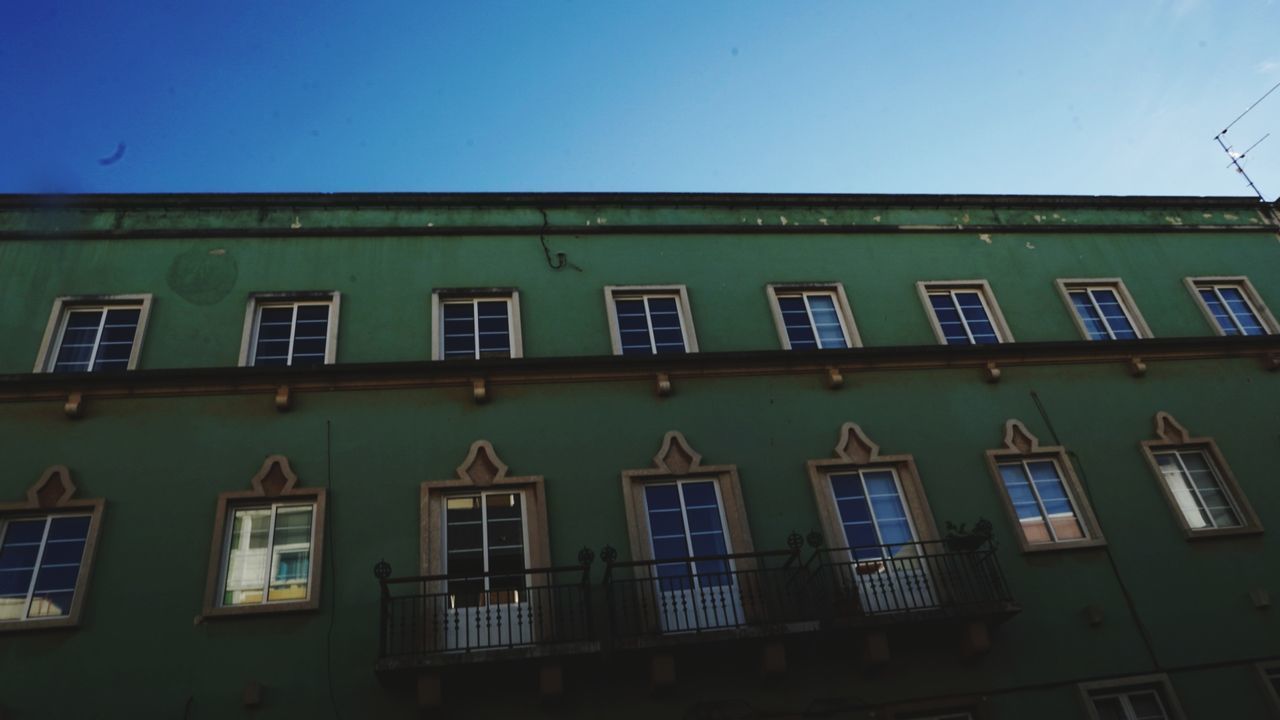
[(275, 481), (259, 299), (1171, 435), (1264, 313), (1020, 444), (923, 287), (1158, 681), (1066, 285), (1265, 671), (53, 494), (681, 294), (65, 303), (772, 290), (441, 295), (855, 451)]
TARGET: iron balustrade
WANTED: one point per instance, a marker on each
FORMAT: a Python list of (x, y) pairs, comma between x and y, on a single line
[(456, 613)]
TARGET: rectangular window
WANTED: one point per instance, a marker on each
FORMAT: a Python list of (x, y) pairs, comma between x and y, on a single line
[(486, 548), (268, 554), (476, 327), (1104, 310), (1270, 673), (1139, 703), (94, 334), (1198, 489), (1044, 506), (1233, 306), (813, 317), (650, 323), (293, 333), (685, 521), (964, 313), (872, 512), (40, 560)]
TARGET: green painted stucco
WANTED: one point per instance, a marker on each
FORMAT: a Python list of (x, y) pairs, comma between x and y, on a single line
[(161, 462)]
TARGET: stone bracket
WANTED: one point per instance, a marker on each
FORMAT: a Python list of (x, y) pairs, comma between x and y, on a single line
[(480, 390), (662, 384), (835, 380), (991, 372), (284, 400), (74, 406), (1137, 367)]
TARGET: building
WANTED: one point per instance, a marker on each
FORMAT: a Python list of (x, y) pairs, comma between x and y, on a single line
[(246, 437)]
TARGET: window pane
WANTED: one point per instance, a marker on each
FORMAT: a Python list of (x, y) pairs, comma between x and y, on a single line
[(1219, 312), (1109, 303), (17, 564), (246, 570), (1110, 708), (1180, 486), (827, 320), (458, 329), (953, 328), (795, 319), (975, 316), (1239, 308)]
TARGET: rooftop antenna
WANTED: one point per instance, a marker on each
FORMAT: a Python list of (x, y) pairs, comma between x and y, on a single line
[(1237, 157)]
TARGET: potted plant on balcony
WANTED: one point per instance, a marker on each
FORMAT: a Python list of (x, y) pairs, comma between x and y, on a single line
[(962, 539)]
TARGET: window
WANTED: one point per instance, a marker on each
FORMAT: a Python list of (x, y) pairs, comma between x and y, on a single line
[(94, 334), (266, 550), (290, 330), (650, 320), (46, 550), (811, 317), (1103, 309), (964, 313), (1041, 493), (1269, 673), (485, 542), (1232, 306), (1145, 698), (476, 324), (1197, 482)]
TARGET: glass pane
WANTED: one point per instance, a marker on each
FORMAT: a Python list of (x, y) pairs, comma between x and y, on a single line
[(949, 320), (246, 569), (890, 512), (1093, 325), (855, 515), (1110, 708), (795, 318), (827, 321), (1180, 486), (633, 327), (1240, 309), (1219, 312), (1146, 705), (1109, 303), (17, 564)]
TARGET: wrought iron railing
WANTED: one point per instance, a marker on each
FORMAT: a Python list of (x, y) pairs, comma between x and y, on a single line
[(430, 615), (934, 577)]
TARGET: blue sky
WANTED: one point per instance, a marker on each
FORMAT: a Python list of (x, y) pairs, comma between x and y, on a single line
[(697, 95)]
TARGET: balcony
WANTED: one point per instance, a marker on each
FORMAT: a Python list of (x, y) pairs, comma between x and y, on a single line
[(441, 620)]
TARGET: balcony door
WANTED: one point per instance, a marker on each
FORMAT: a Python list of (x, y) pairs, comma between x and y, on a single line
[(886, 564), (686, 520), (486, 558)]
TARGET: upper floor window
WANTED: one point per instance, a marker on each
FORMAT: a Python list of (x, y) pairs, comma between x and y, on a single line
[(1232, 305), (92, 334), (650, 320), (1041, 492), (46, 548), (290, 329), (1103, 309), (811, 317), (476, 324), (1197, 482), (964, 313), (1144, 698), (267, 545)]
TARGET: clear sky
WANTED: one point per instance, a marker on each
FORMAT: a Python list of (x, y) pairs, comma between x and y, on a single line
[(1085, 97)]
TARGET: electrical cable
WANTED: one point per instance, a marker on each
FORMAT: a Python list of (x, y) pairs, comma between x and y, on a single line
[(333, 567)]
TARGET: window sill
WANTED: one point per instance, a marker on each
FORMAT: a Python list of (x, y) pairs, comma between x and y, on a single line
[(215, 613), (1063, 546), (17, 626), (1245, 531)]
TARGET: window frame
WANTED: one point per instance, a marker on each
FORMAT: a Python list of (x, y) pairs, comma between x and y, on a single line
[(258, 301), (1251, 296), (275, 482), (1021, 445), (1130, 307), (1266, 670), (848, 326), (52, 495), (62, 307), (444, 296), (855, 452), (681, 294), (1105, 688), (985, 293), (1170, 435)]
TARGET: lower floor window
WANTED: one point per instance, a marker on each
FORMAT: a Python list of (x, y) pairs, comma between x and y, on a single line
[(269, 554), (40, 561), (485, 548), (1140, 703), (1044, 507)]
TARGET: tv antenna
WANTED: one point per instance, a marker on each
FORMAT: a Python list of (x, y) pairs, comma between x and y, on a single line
[(1236, 157)]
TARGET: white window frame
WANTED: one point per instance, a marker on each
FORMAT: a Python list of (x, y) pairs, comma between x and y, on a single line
[(903, 497), (834, 290), (445, 296), (1035, 492), (35, 571), (482, 493), (1223, 487), (62, 307), (258, 301), (275, 508), (1121, 687), (1241, 283), (1066, 286), (680, 293), (985, 295)]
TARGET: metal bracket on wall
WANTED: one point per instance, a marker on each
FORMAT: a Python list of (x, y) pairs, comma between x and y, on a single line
[(662, 384), (1137, 367), (284, 400), (835, 380), (992, 372), (74, 406), (479, 390)]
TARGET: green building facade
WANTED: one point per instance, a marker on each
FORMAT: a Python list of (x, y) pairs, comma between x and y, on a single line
[(239, 431)]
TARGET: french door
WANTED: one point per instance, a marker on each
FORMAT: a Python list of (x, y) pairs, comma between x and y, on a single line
[(886, 565), (686, 520), (486, 555)]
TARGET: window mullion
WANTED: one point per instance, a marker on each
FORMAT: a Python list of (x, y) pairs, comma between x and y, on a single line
[(271, 541), (813, 325), (1035, 492), (97, 339), (648, 323), (475, 326), (293, 330)]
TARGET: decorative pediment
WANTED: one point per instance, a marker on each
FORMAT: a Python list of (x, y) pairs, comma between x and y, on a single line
[(855, 446), (675, 456), (275, 478), (1018, 437), (482, 467), (1170, 430), (53, 489)]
